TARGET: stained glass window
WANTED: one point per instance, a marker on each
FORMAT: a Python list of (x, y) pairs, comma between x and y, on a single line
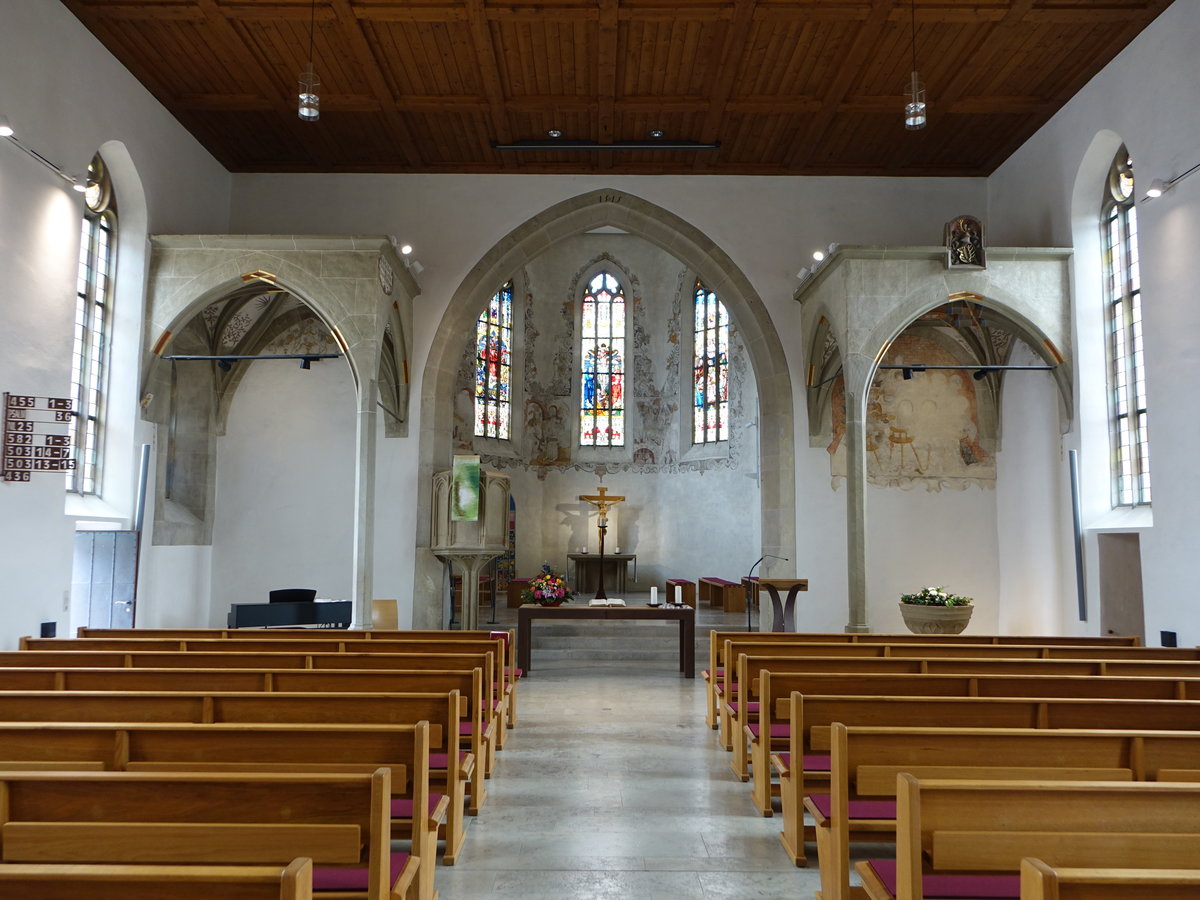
[(493, 367), (93, 309), (1123, 302), (710, 363), (602, 395)]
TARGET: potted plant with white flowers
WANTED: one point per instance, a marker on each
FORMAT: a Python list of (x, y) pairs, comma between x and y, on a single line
[(934, 610)]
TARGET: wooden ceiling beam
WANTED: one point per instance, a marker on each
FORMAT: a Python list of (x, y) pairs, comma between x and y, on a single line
[(394, 124), (804, 144), (720, 87), (606, 79), (487, 62), (136, 12)]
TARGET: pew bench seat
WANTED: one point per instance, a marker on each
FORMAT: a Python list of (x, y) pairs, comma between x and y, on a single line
[(120, 882)]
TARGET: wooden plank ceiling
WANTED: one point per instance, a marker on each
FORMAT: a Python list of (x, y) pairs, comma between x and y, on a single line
[(811, 87)]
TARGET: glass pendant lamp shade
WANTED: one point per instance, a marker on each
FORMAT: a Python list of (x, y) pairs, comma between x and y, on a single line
[(914, 110), (310, 100)]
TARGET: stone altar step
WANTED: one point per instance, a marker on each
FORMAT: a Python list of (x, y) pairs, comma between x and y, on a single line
[(613, 641)]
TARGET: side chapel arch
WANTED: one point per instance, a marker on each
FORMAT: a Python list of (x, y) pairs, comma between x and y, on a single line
[(1026, 289), (692, 247)]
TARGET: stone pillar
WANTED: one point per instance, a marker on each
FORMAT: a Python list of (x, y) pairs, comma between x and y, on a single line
[(858, 385), (364, 506)]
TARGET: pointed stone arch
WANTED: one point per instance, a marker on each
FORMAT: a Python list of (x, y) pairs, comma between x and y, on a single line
[(616, 209)]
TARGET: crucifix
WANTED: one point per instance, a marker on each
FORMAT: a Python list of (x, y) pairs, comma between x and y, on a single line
[(602, 502)]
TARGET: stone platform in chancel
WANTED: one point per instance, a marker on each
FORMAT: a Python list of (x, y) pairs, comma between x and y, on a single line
[(685, 616)]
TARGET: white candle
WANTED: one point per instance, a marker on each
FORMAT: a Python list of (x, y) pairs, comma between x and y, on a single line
[(679, 595), (654, 596)]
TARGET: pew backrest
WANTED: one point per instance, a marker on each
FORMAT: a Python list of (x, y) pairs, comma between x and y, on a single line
[(120, 882)]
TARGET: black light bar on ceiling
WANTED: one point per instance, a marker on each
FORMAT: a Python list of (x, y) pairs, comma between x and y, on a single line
[(558, 144)]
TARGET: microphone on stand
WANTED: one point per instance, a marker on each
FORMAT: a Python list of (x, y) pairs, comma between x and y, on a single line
[(750, 584)]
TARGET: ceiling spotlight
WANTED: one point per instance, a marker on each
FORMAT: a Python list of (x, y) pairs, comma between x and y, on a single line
[(554, 133), (914, 109), (309, 109), (224, 364), (1156, 188), (982, 374), (818, 255), (6, 130), (656, 133), (906, 374), (79, 184), (306, 362), (406, 249)]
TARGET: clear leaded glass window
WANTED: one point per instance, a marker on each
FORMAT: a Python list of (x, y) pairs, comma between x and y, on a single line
[(93, 310), (493, 367), (1123, 312), (602, 395), (710, 363)]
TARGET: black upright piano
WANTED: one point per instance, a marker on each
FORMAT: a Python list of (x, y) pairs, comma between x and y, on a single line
[(314, 614)]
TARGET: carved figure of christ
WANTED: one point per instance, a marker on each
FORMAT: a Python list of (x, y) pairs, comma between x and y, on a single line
[(602, 502)]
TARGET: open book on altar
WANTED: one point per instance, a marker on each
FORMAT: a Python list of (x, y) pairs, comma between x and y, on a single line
[(598, 601)]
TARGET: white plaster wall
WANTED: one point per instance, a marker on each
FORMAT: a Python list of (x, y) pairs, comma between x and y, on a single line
[(395, 520), (173, 589), (1033, 508), (1140, 99), (285, 485), (917, 539), (66, 97)]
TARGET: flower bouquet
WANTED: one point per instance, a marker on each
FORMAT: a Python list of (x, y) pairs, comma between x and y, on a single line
[(934, 596), (548, 588)]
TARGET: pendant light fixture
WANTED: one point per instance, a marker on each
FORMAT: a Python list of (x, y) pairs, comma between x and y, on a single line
[(914, 109), (309, 109)]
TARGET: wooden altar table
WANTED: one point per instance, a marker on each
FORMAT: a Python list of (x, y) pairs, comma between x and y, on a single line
[(586, 577), (686, 617)]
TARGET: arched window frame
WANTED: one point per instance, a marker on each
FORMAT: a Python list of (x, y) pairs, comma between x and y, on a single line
[(710, 367), (93, 317), (612, 334), (493, 383), (1128, 413)]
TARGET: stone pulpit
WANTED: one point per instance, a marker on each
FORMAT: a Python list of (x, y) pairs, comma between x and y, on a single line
[(470, 545)]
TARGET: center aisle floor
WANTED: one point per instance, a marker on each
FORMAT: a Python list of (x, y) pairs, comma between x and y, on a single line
[(611, 786)]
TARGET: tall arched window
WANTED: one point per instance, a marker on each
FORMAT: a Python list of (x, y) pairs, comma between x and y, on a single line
[(602, 394), (1123, 311), (93, 311), (493, 367), (710, 364)]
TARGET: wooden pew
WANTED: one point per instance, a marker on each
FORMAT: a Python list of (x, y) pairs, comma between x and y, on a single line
[(811, 719), (769, 681), (265, 641), (59, 659), (716, 645), (469, 684), (441, 710), (502, 678), (289, 748), (928, 655), (288, 634), (866, 760), (340, 821), (979, 831), (112, 882), (1040, 881)]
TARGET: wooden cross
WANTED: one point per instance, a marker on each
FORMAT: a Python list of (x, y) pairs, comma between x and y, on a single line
[(601, 501)]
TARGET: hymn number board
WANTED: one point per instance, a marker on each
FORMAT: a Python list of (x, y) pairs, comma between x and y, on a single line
[(36, 435)]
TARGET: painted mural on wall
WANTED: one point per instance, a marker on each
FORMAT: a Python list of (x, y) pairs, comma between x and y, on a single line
[(548, 358), (920, 431)]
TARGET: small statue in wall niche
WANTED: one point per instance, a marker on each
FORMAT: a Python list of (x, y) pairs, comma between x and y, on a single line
[(964, 243)]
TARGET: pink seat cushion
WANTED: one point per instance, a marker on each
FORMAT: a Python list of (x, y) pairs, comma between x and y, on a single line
[(777, 731), (353, 879), (519, 673), (402, 807), (496, 704), (751, 707), (859, 809), (442, 760), (813, 762), (983, 886), (466, 729)]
